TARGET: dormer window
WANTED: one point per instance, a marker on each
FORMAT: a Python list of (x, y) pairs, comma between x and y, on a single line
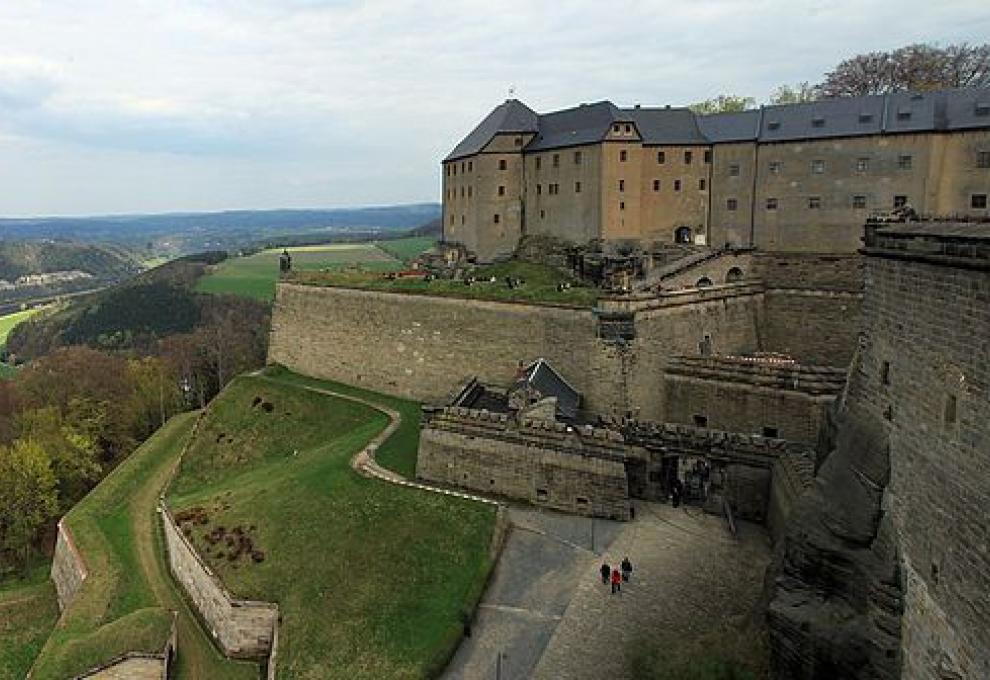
[(904, 114), (818, 122), (982, 109), (773, 125), (628, 129), (866, 118), (616, 128)]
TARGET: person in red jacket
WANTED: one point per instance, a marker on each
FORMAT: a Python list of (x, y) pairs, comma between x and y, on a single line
[(616, 581)]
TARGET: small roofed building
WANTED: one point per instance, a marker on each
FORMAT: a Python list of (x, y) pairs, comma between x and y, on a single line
[(540, 386)]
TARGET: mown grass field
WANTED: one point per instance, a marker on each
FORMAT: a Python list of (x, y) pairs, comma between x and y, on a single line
[(539, 287), (28, 611), (125, 604), (255, 275), (372, 579), (8, 321)]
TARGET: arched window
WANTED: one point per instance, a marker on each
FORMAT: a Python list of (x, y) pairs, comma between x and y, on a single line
[(682, 235), (704, 282), (733, 275)]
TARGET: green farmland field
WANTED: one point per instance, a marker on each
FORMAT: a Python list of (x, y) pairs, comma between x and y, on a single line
[(8, 322)]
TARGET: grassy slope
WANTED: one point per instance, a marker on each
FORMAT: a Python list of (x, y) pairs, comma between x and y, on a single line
[(371, 578), (255, 275), (125, 603), (28, 611), (8, 322), (540, 284)]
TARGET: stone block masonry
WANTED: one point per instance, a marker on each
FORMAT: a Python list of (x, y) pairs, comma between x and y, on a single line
[(68, 569), (547, 464), (242, 628)]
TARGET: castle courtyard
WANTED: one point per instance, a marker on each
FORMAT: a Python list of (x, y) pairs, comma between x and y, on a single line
[(694, 590)]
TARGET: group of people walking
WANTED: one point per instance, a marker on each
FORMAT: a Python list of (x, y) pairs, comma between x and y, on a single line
[(616, 577)]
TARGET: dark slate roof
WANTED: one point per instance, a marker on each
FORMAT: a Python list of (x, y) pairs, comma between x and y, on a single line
[(666, 125), (584, 124), (842, 117), (541, 376), (901, 112), (730, 127), (510, 116)]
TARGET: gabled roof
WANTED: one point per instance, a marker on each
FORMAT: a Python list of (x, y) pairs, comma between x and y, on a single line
[(541, 376), (510, 116), (584, 124), (901, 112)]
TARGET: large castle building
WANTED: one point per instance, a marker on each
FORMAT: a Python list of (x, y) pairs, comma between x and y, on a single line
[(798, 177)]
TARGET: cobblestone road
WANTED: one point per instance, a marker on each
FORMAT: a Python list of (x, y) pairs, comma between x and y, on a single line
[(691, 580)]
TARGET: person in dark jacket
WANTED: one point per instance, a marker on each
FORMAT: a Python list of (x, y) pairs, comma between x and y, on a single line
[(626, 569), (606, 571), (616, 581), (677, 492)]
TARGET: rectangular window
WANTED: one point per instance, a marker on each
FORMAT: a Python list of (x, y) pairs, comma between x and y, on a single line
[(577, 158), (451, 220), (501, 190), (983, 159), (770, 432), (661, 157), (542, 494), (469, 192), (495, 219), (616, 128), (701, 185), (885, 373), (628, 129), (817, 166), (733, 170), (539, 189), (904, 162), (900, 201), (622, 205), (708, 156), (978, 201), (865, 117), (773, 125), (771, 204), (538, 162), (622, 156), (859, 202), (656, 185), (470, 166), (622, 185), (677, 185), (518, 141), (775, 167), (700, 421), (462, 219), (556, 160), (543, 214), (903, 115), (731, 204), (814, 202), (462, 192), (687, 157), (862, 164), (577, 187), (502, 164), (818, 122), (949, 416)]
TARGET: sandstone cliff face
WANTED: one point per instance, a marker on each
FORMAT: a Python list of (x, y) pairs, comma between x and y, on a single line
[(833, 589)]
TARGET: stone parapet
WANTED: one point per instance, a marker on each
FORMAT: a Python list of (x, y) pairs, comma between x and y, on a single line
[(768, 372), (138, 665), (243, 628), (68, 568)]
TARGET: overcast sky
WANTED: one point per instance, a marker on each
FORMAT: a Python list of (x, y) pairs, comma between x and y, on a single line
[(151, 106)]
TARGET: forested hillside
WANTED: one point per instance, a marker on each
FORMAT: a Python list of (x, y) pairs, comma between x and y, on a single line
[(20, 258)]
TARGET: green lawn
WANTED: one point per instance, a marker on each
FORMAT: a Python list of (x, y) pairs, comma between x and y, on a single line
[(126, 602), (8, 322), (372, 579), (407, 248), (539, 287), (255, 275), (28, 611)]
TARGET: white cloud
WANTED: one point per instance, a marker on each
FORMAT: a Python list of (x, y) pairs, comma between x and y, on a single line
[(261, 103)]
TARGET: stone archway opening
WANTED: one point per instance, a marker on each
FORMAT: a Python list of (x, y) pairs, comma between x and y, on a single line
[(734, 275)]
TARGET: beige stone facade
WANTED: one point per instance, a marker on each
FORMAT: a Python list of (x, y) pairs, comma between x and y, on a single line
[(799, 178)]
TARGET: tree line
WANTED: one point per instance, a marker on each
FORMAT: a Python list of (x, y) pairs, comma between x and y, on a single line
[(913, 68), (76, 410)]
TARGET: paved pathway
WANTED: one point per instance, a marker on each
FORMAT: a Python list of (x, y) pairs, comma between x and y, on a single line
[(691, 581), (546, 555)]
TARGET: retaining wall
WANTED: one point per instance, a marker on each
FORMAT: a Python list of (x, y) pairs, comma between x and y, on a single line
[(243, 628), (68, 568)]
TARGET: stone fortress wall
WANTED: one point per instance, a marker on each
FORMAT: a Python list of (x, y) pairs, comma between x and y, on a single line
[(244, 629), (68, 568), (924, 375)]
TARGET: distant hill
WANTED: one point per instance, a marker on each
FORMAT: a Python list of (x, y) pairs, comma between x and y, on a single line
[(432, 228), (38, 269), (181, 233)]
